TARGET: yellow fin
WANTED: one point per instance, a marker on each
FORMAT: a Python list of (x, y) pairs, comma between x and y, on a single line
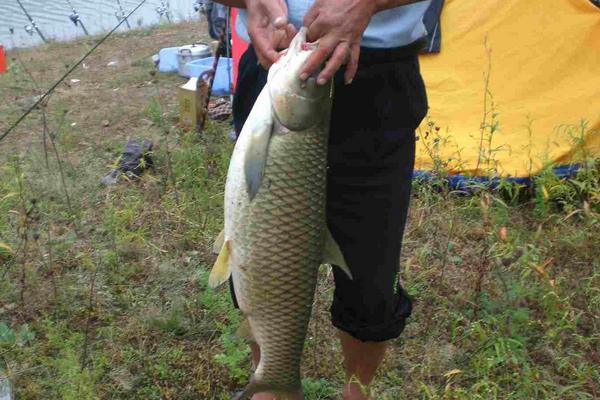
[(333, 255), (221, 271), (219, 242), (244, 331)]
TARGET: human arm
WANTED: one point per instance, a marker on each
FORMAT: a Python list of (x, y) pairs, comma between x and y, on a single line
[(338, 25)]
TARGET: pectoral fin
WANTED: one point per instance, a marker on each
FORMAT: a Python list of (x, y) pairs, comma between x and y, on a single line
[(244, 331), (221, 271), (333, 255), (256, 157)]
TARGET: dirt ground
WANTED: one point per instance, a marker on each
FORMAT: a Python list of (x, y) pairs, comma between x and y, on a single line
[(96, 92)]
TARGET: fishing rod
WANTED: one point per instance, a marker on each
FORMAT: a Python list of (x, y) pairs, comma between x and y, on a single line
[(62, 78), (200, 7), (228, 53), (168, 10), (163, 9), (213, 74), (121, 14), (29, 28), (75, 18)]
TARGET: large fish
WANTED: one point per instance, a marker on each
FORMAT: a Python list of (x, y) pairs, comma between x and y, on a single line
[(275, 234)]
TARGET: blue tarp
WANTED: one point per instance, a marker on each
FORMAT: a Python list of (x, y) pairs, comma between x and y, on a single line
[(469, 183), (432, 23)]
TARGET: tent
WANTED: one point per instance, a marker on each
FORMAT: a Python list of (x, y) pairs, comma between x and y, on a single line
[(516, 86)]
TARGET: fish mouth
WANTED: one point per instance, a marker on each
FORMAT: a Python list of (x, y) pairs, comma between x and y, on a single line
[(309, 46), (299, 42), (299, 45)]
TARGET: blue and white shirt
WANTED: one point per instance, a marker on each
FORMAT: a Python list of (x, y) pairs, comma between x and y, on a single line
[(395, 27)]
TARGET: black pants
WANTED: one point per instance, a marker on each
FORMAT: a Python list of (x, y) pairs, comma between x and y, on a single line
[(371, 159)]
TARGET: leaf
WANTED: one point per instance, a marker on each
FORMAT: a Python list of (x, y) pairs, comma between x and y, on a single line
[(8, 196), (25, 334), (580, 185), (6, 247), (500, 201), (541, 269), (7, 335), (453, 372)]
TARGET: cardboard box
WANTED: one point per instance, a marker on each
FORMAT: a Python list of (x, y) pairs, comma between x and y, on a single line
[(192, 101)]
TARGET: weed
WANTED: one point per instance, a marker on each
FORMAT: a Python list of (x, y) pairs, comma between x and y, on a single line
[(318, 389)]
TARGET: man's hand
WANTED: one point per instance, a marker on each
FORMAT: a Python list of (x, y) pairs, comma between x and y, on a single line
[(338, 25), (269, 29)]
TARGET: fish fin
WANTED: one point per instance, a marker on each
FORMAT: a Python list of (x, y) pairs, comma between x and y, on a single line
[(333, 255), (244, 331), (251, 389), (221, 271), (256, 386), (218, 245), (243, 395), (256, 158)]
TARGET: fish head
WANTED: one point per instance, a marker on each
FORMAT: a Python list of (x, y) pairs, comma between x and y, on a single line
[(297, 104)]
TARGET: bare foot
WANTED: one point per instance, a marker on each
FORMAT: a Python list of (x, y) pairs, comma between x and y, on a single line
[(352, 391)]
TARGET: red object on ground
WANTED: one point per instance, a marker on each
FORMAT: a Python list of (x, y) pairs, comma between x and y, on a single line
[(2, 60), (238, 46)]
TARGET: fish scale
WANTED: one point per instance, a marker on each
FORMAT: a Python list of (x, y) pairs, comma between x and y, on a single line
[(283, 250)]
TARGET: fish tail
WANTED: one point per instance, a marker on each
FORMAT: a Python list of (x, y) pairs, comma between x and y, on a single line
[(251, 389), (256, 386)]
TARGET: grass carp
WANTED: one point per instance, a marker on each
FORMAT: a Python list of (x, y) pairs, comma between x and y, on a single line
[(275, 234)]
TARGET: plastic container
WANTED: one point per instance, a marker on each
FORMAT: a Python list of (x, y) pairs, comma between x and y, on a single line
[(190, 53), (167, 59), (223, 78)]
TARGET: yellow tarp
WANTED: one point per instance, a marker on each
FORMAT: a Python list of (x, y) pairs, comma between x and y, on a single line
[(544, 80)]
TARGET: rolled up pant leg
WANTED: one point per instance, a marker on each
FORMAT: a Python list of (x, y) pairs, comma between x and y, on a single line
[(371, 153)]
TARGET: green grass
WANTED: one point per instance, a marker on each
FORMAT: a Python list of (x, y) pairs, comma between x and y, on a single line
[(108, 298)]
